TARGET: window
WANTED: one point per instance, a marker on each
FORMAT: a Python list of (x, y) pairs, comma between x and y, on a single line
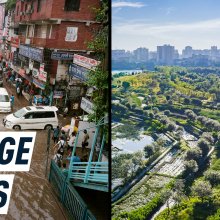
[(4, 98), (71, 34), (18, 10), (38, 114), (96, 32), (72, 5), (39, 5), (26, 6), (32, 5), (49, 115), (19, 113), (29, 115)]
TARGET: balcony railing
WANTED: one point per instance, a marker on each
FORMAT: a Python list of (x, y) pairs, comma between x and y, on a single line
[(35, 41)]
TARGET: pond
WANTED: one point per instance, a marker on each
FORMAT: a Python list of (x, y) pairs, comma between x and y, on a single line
[(134, 144)]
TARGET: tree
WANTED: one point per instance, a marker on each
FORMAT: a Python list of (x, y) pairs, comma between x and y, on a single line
[(161, 142), (146, 113), (186, 101), (126, 84), (171, 127), (202, 189), (167, 112), (193, 154), (212, 176), (143, 68), (218, 106), (208, 136), (196, 101), (191, 166), (191, 115), (125, 167), (166, 195), (151, 115), (203, 144), (167, 97), (170, 102), (149, 150), (155, 110), (137, 158)]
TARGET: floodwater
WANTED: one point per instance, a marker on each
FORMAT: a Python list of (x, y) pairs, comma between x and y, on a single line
[(31, 197)]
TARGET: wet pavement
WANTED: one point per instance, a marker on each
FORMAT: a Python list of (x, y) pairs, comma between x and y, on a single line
[(32, 196)]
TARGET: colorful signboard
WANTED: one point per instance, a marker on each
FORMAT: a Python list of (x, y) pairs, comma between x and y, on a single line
[(58, 94), (35, 73), (78, 72), (15, 42), (22, 72), (33, 53), (85, 62), (42, 74), (38, 83), (52, 81), (87, 106), (62, 56), (15, 57)]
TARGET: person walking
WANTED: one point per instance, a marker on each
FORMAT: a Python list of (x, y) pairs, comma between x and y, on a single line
[(27, 88), (71, 142), (31, 93), (12, 100), (56, 133), (18, 91), (11, 80), (21, 88), (61, 145), (85, 141)]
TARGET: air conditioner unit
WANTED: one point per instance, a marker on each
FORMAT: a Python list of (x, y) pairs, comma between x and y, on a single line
[(27, 41), (28, 11), (21, 13)]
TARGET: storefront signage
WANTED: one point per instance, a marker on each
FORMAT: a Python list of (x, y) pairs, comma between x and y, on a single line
[(39, 84), (22, 72), (85, 62), (86, 105), (78, 72), (52, 81), (0, 55), (22, 58), (15, 57), (31, 64), (13, 48), (42, 74), (15, 42), (62, 56), (58, 94), (33, 53), (75, 90), (1, 42), (35, 73)]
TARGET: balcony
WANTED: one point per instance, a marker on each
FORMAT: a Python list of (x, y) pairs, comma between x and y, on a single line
[(34, 41)]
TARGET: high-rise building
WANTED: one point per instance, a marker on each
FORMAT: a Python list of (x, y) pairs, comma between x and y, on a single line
[(165, 54), (141, 54), (187, 52)]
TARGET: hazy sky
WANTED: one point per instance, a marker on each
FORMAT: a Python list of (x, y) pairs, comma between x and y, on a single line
[(152, 23)]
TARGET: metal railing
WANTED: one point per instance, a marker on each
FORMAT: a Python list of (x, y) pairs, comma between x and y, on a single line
[(69, 196), (91, 172)]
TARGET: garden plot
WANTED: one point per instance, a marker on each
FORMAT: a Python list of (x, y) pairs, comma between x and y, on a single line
[(187, 136), (165, 137), (167, 158), (192, 144), (173, 169), (143, 195)]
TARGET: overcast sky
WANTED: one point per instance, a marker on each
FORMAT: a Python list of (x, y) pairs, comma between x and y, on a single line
[(152, 23)]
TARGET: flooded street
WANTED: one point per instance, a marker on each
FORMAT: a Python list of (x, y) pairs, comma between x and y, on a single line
[(31, 197)]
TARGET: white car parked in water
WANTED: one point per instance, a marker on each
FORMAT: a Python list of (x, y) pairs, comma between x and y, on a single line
[(30, 117)]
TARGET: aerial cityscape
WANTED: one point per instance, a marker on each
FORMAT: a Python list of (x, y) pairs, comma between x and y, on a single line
[(165, 108)]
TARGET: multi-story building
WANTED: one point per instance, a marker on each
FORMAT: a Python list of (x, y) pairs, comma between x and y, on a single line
[(187, 52), (141, 54), (165, 54), (48, 34)]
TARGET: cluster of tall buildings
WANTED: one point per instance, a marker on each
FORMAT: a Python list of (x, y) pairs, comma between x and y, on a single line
[(167, 54)]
